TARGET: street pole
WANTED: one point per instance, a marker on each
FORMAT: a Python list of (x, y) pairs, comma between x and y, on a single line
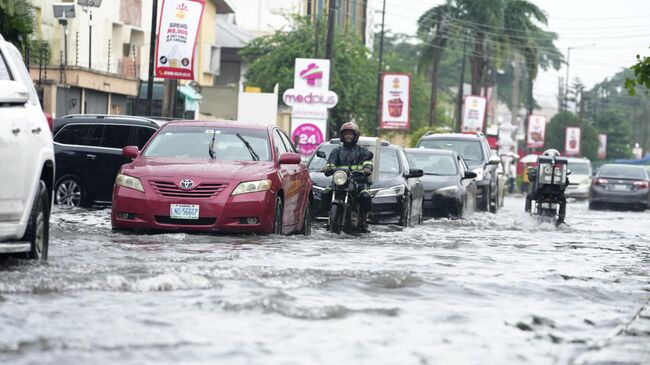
[(329, 50), (566, 82), (152, 55), (90, 39), (379, 68), (459, 106)]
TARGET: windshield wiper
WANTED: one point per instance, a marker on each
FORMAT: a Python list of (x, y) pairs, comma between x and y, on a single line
[(211, 147), (248, 145)]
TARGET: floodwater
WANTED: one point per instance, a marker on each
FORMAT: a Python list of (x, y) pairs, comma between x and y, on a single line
[(490, 289)]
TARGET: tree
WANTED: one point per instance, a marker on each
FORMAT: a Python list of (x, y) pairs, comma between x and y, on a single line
[(16, 21), (619, 134), (641, 75), (556, 134)]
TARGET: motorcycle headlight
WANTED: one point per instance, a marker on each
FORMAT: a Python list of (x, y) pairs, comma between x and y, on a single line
[(252, 187), (340, 178), (392, 191), (449, 190), (479, 174), (129, 182)]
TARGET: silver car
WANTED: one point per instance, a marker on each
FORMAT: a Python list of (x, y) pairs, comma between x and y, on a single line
[(580, 178), (618, 184)]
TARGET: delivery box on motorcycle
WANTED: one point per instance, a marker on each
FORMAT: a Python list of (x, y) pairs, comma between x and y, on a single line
[(551, 171), (373, 144)]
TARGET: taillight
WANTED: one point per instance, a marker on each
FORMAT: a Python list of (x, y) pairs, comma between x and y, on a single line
[(641, 184), (600, 181), (48, 116)]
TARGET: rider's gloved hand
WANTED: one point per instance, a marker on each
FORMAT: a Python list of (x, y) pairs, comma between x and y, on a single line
[(367, 171)]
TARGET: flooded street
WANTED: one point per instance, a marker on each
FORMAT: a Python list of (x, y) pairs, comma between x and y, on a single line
[(491, 289)]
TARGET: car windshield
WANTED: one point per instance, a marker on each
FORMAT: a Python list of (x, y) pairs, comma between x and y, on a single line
[(433, 164), (579, 168), (629, 172), (469, 150), (317, 163), (388, 161), (194, 142)]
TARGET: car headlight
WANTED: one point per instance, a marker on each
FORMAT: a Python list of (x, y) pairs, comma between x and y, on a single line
[(129, 182), (449, 190), (392, 191), (479, 174), (252, 187), (339, 178)]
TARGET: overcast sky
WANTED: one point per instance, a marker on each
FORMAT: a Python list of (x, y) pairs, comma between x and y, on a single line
[(608, 35)]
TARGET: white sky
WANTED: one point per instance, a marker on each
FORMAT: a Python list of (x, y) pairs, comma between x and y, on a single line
[(611, 32)]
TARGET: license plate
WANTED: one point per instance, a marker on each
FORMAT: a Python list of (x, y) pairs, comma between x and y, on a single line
[(620, 187), (184, 211)]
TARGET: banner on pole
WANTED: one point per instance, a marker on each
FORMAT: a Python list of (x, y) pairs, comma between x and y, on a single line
[(536, 131), (180, 21), (572, 141), (395, 100), (473, 119), (602, 146)]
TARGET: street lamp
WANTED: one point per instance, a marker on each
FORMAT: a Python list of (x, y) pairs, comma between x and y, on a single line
[(63, 12), (87, 6), (566, 82)]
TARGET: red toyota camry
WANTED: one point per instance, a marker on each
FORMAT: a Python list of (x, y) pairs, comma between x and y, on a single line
[(214, 176)]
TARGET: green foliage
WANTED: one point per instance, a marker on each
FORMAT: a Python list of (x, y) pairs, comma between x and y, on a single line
[(556, 134), (619, 133), (641, 75), (39, 51), (16, 21)]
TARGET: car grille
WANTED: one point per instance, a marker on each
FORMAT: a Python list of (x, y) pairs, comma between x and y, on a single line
[(185, 222), (201, 191)]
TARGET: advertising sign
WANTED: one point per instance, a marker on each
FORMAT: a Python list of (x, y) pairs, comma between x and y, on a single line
[(637, 151), (536, 131), (179, 26), (473, 114), (572, 141), (395, 100), (308, 134), (602, 146)]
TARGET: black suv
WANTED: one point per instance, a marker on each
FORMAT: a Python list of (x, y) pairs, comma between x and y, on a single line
[(88, 153), (475, 150)]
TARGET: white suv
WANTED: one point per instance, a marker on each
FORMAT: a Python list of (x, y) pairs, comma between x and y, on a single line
[(26, 161)]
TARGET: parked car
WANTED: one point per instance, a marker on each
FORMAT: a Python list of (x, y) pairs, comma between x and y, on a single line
[(26, 161), (88, 151), (618, 184), (397, 192), (475, 150), (449, 186), (580, 178), (214, 176)]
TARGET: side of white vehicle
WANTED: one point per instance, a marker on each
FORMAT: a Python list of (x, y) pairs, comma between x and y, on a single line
[(26, 161)]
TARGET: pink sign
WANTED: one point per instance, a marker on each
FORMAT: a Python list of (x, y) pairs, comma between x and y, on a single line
[(308, 137)]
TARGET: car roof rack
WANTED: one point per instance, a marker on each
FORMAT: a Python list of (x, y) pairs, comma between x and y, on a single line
[(113, 116)]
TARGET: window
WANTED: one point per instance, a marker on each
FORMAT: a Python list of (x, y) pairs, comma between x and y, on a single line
[(116, 136), (141, 136), (287, 142), (434, 164), (388, 161), (5, 74), (317, 163), (72, 134), (280, 148), (470, 150), (94, 136), (212, 59)]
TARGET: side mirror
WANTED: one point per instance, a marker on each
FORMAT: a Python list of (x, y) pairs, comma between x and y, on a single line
[(568, 172), (13, 92), (494, 160), (414, 173), (470, 175), (290, 158), (130, 151), (320, 154)]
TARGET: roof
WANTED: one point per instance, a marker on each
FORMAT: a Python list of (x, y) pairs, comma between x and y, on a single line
[(453, 136), (220, 123), (230, 35), (223, 7), (103, 118), (431, 151)]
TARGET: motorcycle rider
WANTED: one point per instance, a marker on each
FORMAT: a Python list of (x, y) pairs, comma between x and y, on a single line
[(533, 193), (356, 158)]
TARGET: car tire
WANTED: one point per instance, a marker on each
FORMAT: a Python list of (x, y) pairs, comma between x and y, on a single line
[(68, 191), (38, 226), (277, 214), (336, 218), (405, 220), (307, 220), (485, 203), (494, 204), (421, 215)]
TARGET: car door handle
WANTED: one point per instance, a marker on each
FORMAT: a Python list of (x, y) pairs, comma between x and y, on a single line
[(90, 157), (15, 130), (36, 130)]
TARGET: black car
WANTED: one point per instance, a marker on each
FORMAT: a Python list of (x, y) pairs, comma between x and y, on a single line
[(475, 150), (618, 184), (88, 154), (449, 186), (397, 193)]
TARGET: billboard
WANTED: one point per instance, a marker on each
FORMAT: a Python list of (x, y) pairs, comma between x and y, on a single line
[(572, 141), (180, 21), (602, 146), (473, 114), (395, 100), (536, 131)]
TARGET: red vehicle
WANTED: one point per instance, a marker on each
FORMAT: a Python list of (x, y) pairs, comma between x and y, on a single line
[(214, 176)]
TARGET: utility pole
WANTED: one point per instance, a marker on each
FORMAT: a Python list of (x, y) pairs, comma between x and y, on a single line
[(566, 82), (379, 68), (459, 100), (152, 55), (329, 48)]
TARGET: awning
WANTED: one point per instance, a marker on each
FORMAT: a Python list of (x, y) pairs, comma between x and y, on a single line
[(192, 97)]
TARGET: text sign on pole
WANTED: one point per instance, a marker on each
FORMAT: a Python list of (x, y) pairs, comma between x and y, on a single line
[(572, 141), (395, 100), (473, 114), (180, 22), (536, 131), (602, 146)]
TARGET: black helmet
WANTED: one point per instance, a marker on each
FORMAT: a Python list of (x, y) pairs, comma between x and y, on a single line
[(350, 126), (551, 152)]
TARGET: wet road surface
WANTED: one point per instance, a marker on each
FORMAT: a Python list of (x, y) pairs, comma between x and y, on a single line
[(491, 289)]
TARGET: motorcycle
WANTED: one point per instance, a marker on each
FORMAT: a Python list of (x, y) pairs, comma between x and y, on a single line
[(344, 208), (549, 182)]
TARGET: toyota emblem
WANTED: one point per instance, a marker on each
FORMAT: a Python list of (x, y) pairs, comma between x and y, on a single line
[(186, 184)]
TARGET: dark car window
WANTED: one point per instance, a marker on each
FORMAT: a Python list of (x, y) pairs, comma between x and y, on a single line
[(433, 164), (280, 148), (141, 136), (317, 163), (388, 161), (287, 142), (72, 134), (5, 74), (470, 150), (94, 136), (116, 136), (630, 172)]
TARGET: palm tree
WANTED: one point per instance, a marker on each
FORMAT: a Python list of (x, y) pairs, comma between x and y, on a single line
[(16, 21)]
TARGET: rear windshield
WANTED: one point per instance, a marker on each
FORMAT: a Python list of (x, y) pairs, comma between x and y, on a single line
[(433, 164), (579, 168), (469, 150), (194, 142), (630, 172)]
